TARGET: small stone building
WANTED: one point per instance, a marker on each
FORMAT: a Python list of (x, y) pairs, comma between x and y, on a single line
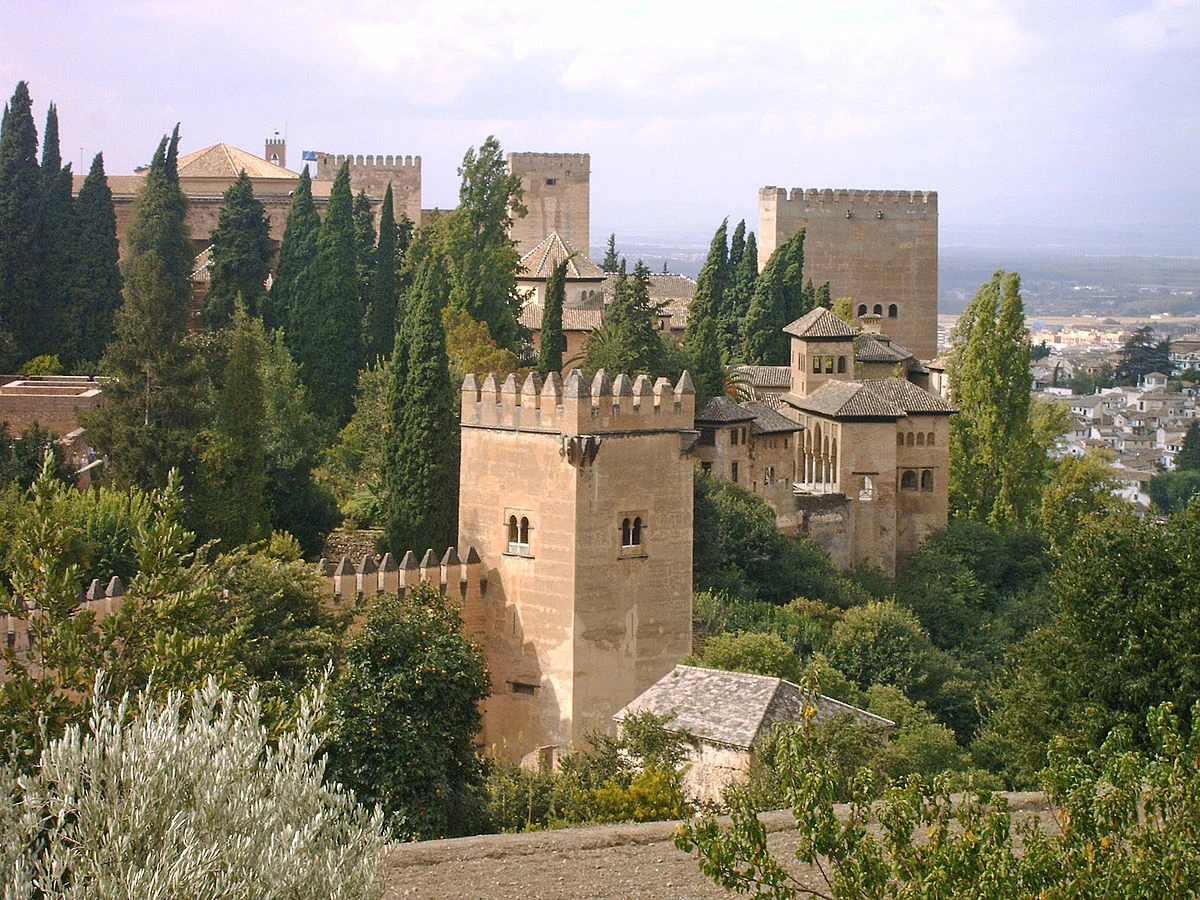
[(727, 714)]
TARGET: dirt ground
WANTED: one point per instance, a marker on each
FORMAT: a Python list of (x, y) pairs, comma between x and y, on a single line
[(611, 861)]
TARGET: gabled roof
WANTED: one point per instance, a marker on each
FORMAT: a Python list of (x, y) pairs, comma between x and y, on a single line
[(722, 411), (878, 348), (768, 421), (778, 377), (541, 260), (574, 318), (227, 161), (908, 396), (734, 709), (847, 400), (820, 325)]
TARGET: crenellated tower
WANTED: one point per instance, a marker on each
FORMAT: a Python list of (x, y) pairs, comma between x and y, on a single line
[(373, 174), (578, 499), (879, 247), (557, 193)]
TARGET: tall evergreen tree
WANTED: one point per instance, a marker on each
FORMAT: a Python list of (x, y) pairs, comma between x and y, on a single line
[(54, 249), (325, 325), (297, 248), (1188, 457), (379, 322), (629, 339), (553, 341), (483, 259), (420, 454), (232, 483), (95, 292), (1141, 354), (20, 202), (364, 240), (743, 272), (778, 299), (611, 263), (737, 247), (711, 284), (996, 466), (823, 297), (241, 254), (154, 400)]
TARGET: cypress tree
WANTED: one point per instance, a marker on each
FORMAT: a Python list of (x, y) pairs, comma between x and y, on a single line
[(553, 341), (325, 326), (54, 250), (629, 340), (232, 483), (364, 239), (241, 254), (709, 298), (611, 263), (737, 246), (823, 297), (20, 201), (154, 401), (1188, 457), (295, 250), (420, 453), (778, 299), (743, 271), (379, 322), (95, 292)]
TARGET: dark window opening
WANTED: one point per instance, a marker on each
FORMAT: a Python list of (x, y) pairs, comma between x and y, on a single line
[(733, 471), (927, 480), (841, 365), (893, 311), (862, 309), (521, 688), (908, 481), (879, 309), (551, 181)]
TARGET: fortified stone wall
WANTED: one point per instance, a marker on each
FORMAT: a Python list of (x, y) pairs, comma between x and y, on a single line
[(879, 247), (373, 174), (557, 193)]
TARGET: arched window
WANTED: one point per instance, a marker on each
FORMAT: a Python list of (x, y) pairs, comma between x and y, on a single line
[(900, 439), (927, 480), (631, 534), (816, 365), (626, 533), (525, 531), (841, 365), (893, 311), (637, 531), (908, 480), (867, 491), (514, 534), (920, 439), (518, 536), (862, 310), (829, 365), (879, 309), (910, 439), (929, 439)]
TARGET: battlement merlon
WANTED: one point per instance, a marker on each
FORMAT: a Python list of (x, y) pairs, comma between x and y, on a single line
[(550, 159), (573, 406), (798, 201), (329, 163)]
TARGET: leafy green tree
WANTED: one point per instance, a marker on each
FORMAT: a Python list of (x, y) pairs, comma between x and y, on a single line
[(420, 450), (483, 259), (325, 325), (206, 765), (1080, 489), (95, 292), (241, 254), (756, 652), (383, 307), (154, 401), (352, 468), (1188, 457), (611, 263), (20, 202), (1142, 354), (55, 251), (406, 711), (553, 342), (232, 482), (292, 444), (822, 298), (471, 349), (297, 248), (778, 300), (996, 466), (629, 341), (1171, 491)]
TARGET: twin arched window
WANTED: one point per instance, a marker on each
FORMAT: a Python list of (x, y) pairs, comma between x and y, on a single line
[(631, 533), (518, 536)]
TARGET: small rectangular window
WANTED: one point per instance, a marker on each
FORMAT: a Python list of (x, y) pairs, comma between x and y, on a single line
[(519, 687), (733, 471), (733, 437), (551, 181)]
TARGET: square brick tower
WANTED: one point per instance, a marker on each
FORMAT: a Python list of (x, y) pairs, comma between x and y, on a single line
[(557, 193), (578, 499)]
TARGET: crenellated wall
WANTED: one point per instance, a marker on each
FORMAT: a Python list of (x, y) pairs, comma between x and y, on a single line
[(373, 173), (557, 194), (879, 247)]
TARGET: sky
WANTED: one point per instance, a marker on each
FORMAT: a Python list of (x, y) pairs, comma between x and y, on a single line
[(1040, 121)]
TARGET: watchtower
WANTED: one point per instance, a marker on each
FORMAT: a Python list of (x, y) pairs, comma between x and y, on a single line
[(275, 151), (557, 193), (879, 247), (578, 499)]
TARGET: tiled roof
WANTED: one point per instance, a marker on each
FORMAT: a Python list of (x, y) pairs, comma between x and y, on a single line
[(848, 399), (541, 260), (877, 348), (779, 377), (671, 287), (767, 420), (821, 325), (574, 319), (722, 411), (734, 709), (226, 161), (908, 396)]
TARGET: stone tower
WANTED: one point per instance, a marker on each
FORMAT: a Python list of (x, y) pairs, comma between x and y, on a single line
[(373, 174), (557, 193), (275, 151), (879, 247), (578, 499)]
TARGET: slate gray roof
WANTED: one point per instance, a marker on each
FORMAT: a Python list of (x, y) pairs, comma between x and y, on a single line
[(849, 400), (732, 708), (767, 420), (541, 260), (908, 396), (820, 325), (722, 411), (778, 377)]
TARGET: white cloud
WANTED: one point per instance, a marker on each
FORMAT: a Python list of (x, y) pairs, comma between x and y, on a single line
[(1163, 25)]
